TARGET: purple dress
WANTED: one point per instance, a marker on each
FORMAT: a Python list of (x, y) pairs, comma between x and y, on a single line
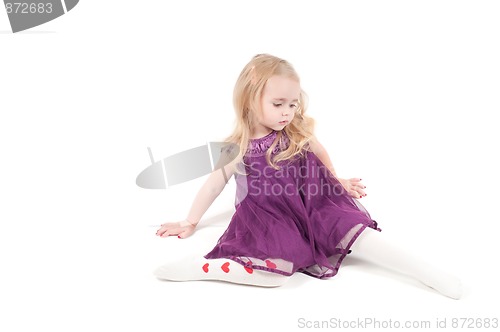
[(295, 219)]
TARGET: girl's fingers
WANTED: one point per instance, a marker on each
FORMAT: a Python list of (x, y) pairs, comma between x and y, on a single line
[(359, 185), (357, 193), (165, 231), (167, 226), (186, 233), (172, 231), (162, 228), (352, 191), (181, 232), (354, 187)]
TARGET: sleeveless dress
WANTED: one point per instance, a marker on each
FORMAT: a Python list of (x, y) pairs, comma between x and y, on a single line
[(295, 219)]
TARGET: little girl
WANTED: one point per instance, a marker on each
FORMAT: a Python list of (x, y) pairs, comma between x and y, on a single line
[(293, 214)]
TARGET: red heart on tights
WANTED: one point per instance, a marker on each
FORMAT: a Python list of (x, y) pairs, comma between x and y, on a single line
[(248, 269), (225, 267), (205, 268), (270, 264)]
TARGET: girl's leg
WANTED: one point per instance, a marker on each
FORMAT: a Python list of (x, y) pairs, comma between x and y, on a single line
[(376, 247), (200, 268)]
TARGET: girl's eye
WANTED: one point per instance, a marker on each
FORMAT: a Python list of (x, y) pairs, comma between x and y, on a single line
[(277, 105), (293, 106)]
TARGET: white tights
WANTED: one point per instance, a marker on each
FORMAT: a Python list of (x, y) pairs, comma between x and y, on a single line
[(378, 248), (371, 246)]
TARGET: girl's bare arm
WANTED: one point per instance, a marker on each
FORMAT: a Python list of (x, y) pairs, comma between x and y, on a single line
[(207, 194), (353, 186)]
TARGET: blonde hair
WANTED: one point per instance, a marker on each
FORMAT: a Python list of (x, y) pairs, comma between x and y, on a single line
[(247, 100)]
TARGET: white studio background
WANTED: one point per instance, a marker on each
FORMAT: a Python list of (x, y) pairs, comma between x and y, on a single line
[(404, 94)]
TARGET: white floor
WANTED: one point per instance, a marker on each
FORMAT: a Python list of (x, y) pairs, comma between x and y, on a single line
[(404, 96)]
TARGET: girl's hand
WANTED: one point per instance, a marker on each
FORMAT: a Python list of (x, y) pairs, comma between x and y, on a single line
[(354, 187), (182, 229)]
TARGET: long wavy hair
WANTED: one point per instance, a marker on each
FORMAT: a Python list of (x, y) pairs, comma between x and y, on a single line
[(247, 102)]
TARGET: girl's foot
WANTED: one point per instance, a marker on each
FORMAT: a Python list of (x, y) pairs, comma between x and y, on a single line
[(444, 283)]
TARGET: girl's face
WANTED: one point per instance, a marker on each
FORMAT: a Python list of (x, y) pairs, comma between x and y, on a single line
[(280, 98)]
